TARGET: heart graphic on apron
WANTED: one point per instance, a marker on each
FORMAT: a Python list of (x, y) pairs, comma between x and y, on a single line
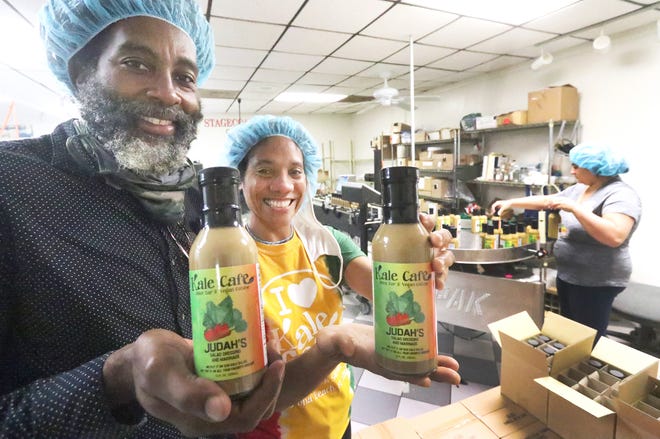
[(304, 293)]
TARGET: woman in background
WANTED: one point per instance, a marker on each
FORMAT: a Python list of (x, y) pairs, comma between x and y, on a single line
[(599, 213)]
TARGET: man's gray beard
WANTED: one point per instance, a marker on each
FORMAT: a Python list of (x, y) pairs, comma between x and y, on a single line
[(113, 120)]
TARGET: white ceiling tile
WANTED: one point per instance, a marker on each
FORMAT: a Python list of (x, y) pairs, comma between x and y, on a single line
[(617, 26), (402, 21), (580, 14), (248, 106), (232, 73), (305, 108), (277, 76), (369, 48), (276, 107), (361, 82), (308, 88), (462, 60), (229, 56), (223, 84), (344, 90), (340, 66), (380, 69), (28, 9), (554, 46), (315, 78), (465, 32), (311, 42), (264, 88), (499, 63), (428, 74), (243, 34), (513, 12), (284, 61), (340, 15), (517, 40), (257, 10), (423, 54)]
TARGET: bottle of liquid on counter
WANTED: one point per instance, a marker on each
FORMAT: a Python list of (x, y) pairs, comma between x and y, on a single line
[(533, 232), (554, 219), (403, 280), (454, 237), (542, 227), (475, 222), (229, 339), (522, 234), (489, 241), (509, 239)]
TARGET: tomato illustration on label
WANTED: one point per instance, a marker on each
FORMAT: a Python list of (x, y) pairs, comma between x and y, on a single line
[(402, 310), (221, 319)]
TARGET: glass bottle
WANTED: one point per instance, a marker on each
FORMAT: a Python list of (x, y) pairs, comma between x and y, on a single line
[(404, 282), (229, 339)]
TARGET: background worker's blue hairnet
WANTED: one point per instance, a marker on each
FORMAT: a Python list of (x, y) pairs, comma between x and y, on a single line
[(242, 138), (598, 159), (68, 25)]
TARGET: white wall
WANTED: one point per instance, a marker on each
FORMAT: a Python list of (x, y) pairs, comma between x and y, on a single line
[(619, 104)]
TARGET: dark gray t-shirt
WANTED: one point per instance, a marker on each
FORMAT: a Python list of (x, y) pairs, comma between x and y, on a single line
[(581, 260)]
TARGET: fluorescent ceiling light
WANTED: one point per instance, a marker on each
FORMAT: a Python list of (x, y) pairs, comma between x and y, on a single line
[(309, 97)]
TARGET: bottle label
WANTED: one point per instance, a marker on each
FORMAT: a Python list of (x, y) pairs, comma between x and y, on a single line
[(227, 322), (404, 311)]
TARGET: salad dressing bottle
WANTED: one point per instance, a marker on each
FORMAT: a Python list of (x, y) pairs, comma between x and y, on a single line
[(404, 281), (229, 339)]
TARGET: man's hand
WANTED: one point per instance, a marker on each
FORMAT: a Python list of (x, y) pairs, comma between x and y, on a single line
[(442, 258), (353, 343), (157, 370)]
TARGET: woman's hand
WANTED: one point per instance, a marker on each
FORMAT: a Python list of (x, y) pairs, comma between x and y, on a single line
[(442, 257), (157, 371), (354, 343)]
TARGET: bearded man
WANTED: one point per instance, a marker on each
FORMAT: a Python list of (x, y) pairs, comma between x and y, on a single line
[(94, 302)]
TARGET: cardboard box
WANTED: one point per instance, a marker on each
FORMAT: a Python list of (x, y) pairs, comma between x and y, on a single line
[(445, 162), (447, 133), (587, 415), (485, 122), (635, 405), (522, 364), (399, 127), (498, 413), (536, 430), (441, 188), (553, 103), (390, 429), (518, 117), (420, 136), (453, 421)]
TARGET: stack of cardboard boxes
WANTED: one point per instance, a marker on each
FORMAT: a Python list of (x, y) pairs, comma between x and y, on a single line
[(553, 385)]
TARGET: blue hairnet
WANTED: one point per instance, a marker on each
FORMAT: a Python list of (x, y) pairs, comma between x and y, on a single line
[(598, 159), (243, 137), (68, 25)]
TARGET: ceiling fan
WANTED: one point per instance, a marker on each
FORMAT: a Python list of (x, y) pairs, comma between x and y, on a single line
[(386, 96)]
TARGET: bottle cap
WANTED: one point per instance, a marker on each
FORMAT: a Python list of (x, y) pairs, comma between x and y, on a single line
[(400, 194)]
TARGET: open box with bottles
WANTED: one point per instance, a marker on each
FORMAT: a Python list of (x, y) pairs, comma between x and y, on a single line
[(530, 352), (584, 392)]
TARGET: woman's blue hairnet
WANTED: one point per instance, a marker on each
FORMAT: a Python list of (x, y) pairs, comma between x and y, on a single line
[(243, 137), (598, 159), (68, 25)]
